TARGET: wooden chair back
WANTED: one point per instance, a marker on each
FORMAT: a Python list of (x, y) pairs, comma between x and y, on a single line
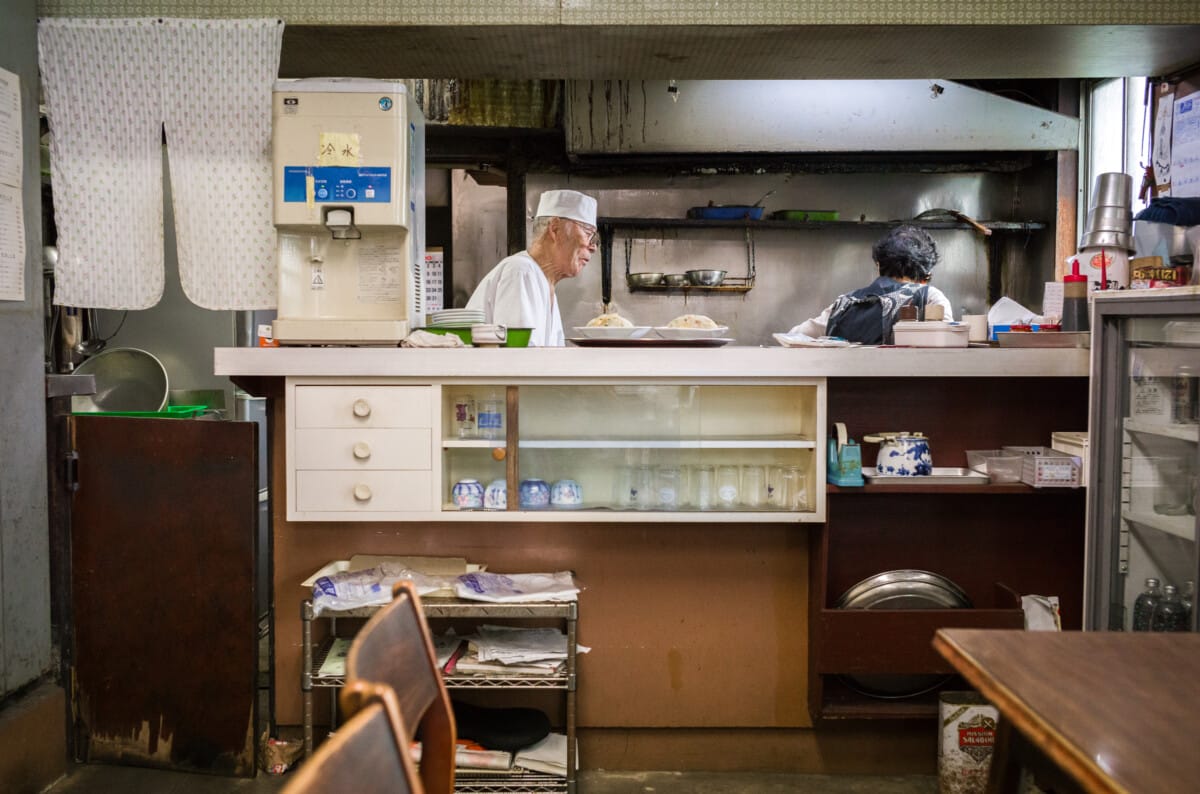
[(394, 650), (369, 754)]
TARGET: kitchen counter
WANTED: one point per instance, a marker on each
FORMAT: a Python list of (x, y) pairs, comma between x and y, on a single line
[(683, 660), (533, 364)]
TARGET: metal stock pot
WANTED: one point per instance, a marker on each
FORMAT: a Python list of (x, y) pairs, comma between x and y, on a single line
[(902, 453)]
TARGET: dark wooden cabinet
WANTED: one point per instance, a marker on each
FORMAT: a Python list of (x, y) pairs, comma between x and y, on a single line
[(995, 541)]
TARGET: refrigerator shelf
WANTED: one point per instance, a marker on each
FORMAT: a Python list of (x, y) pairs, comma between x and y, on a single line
[(1179, 526), (1182, 432)]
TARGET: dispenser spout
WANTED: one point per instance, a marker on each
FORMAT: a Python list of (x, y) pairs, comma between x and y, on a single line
[(341, 225)]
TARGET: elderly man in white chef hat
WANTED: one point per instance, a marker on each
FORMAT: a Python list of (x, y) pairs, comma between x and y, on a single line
[(519, 292)]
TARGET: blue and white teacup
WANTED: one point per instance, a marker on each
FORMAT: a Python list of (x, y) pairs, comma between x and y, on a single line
[(496, 496), (467, 494), (566, 493), (534, 494)]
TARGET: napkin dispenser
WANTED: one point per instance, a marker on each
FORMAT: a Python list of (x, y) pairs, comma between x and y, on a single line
[(844, 466)]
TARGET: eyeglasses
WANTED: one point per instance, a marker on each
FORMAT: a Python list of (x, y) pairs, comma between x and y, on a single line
[(593, 236)]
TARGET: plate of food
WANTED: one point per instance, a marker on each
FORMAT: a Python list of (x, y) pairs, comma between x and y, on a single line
[(691, 326), (611, 325)]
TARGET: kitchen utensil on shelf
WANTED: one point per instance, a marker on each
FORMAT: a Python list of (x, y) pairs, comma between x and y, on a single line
[(706, 278), (845, 458), (127, 379), (902, 453), (726, 212), (804, 215), (676, 280), (946, 214), (644, 279)]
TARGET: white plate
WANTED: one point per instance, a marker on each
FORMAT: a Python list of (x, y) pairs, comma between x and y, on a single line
[(824, 341), (691, 333), (612, 332)]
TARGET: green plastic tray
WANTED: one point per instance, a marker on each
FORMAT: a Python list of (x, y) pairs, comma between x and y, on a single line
[(805, 215), (170, 412)]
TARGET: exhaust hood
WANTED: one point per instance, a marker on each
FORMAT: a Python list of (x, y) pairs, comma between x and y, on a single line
[(730, 116)]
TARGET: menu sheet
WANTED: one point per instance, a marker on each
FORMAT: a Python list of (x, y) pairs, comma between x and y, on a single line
[(12, 215), (1185, 147)]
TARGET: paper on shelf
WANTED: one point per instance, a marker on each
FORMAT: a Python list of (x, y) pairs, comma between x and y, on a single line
[(549, 755), (517, 587), (335, 660)]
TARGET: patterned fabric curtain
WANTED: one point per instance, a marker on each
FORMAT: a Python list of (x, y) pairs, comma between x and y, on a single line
[(218, 76), (111, 85), (101, 79)]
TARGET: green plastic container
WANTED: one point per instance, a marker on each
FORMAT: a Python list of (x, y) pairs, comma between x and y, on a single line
[(805, 215), (170, 412), (517, 337), (462, 333)]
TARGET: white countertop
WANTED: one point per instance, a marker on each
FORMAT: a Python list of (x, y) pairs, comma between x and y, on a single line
[(551, 364)]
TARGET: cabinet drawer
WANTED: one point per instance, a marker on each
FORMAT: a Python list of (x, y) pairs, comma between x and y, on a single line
[(380, 491), (325, 448), (363, 406)]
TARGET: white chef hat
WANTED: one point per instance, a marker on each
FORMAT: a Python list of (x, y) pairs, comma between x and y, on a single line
[(567, 204)]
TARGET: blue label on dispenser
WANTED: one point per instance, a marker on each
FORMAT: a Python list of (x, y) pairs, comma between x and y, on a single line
[(337, 184)]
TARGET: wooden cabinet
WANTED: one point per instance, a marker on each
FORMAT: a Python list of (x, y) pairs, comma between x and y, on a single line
[(995, 541)]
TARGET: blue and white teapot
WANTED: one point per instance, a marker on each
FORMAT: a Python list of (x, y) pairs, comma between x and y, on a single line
[(902, 454)]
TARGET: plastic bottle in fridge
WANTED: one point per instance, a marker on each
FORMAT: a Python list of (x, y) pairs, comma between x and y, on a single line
[(1143, 607)]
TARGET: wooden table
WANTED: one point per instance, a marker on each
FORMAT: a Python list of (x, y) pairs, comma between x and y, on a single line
[(1093, 711)]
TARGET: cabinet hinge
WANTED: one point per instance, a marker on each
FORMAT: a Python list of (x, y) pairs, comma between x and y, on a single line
[(71, 470)]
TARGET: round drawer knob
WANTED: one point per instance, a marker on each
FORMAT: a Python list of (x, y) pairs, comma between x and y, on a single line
[(362, 408), (362, 450), (362, 493)]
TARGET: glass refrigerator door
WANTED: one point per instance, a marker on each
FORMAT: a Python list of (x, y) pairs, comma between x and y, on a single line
[(1144, 434)]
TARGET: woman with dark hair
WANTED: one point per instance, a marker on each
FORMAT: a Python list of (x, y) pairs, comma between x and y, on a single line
[(905, 257)]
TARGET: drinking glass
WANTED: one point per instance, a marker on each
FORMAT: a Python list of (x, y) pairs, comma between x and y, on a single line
[(728, 481), (704, 487), (754, 486), (666, 487), (642, 491), (794, 489), (623, 488), (490, 418), (776, 498), (464, 415)]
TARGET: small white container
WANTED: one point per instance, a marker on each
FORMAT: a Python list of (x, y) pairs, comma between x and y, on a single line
[(931, 333), (1073, 444)]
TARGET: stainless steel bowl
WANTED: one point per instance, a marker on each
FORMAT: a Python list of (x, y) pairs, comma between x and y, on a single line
[(644, 279), (676, 280), (706, 278), (127, 379)]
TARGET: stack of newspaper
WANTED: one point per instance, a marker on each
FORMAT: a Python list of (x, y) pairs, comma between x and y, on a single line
[(509, 650)]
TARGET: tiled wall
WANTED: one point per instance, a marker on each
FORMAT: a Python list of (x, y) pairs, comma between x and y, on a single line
[(654, 12)]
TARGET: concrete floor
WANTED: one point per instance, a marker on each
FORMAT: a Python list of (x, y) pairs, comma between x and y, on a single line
[(105, 779)]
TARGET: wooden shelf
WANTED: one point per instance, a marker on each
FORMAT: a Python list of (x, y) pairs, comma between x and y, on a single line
[(917, 488), (885, 641), (840, 702)]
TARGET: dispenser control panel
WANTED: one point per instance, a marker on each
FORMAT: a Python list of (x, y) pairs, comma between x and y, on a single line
[(340, 184)]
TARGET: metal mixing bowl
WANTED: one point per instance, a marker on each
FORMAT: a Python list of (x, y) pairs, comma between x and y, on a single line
[(127, 379), (645, 279), (706, 278), (676, 280)]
